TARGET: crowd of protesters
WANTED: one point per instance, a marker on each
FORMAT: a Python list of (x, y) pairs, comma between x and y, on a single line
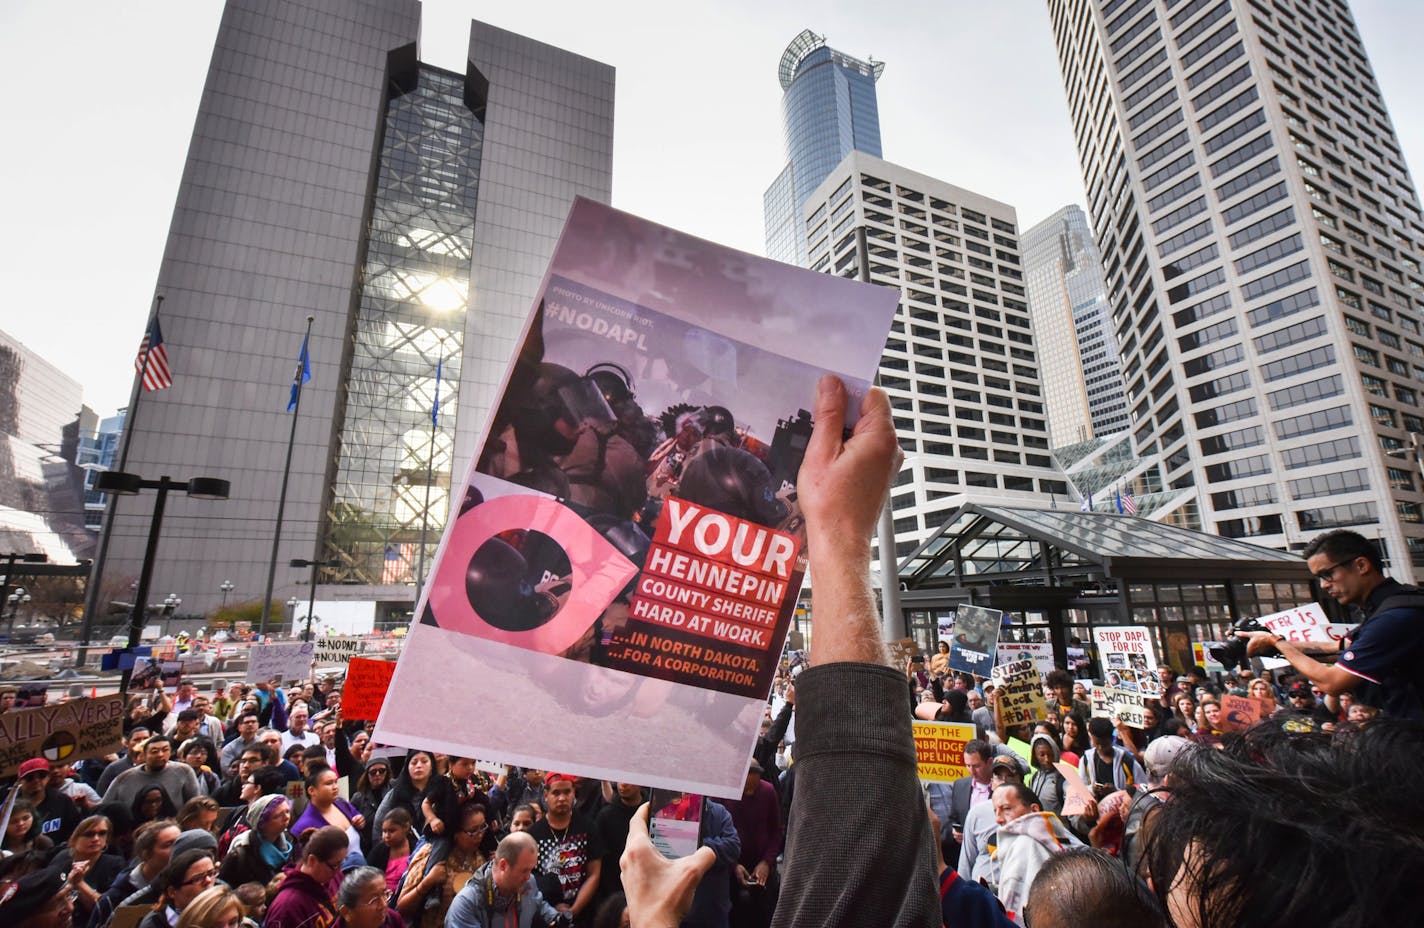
[(261, 806)]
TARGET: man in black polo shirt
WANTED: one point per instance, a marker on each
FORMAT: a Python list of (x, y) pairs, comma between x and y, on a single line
[(1382, 660)]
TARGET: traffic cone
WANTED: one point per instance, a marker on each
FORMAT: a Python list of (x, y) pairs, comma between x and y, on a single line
[(93, 691)]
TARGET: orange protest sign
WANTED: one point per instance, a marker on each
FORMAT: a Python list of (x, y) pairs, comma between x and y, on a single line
[(365, 689), (1239, 713)]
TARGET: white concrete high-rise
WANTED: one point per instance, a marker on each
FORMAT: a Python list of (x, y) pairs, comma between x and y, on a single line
[(960, 365), (1262, 242), (1078, 356)]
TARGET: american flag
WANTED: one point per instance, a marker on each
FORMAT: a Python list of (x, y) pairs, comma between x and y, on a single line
[(155, 374), (1129, 502), (397, 564)]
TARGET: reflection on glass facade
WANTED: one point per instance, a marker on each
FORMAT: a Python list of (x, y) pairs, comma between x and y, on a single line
[(394, 456), (828, 110)]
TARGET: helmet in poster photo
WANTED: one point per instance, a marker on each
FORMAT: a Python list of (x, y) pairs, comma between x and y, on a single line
[(734, 482)]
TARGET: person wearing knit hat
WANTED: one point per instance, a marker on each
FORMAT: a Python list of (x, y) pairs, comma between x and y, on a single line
[(266, 848)]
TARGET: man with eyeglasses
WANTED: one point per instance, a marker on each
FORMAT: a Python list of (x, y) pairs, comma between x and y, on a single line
[(307, 896), (1382, 660), (56, 812)]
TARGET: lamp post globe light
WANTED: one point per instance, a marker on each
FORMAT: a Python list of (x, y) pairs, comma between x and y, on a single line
[(227, 586), (17, 597), (126, 484), (15, 600)]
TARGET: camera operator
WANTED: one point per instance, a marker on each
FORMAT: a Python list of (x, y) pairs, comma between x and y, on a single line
[(1383, 657)]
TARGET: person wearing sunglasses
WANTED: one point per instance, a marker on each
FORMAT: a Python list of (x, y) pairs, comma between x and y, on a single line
[(96, 869), (55, 812), (1382, 659)]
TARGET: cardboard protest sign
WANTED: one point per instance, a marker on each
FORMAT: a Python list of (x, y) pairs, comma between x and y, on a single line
[(939, 750), (944, 623), (1129, 670), (976, 633), (286, 661), (1101, 703), (338, 650), (1020, 693), (61, 733), (627, 553), (901, 651), (1079, 796), (1239, 713), (364, 692), (1040, 652)]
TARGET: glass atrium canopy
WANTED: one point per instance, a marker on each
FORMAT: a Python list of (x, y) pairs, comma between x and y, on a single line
[(981, 545)]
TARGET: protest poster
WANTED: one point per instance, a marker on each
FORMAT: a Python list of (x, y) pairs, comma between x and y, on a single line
[(123, 658), (154, 669), (976, 632), (286, 661), (1101, 704), (1129, 665), (61, 733), (944, 623), (626, 551), (901, 650), (365, 688), (1307, 624), (939, 750), (1079, 796), (1040, 652), (339, 649), (1239, 713), (1020, 693)]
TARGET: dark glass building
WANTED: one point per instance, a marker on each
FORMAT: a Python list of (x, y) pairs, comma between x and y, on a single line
[(829, 110)]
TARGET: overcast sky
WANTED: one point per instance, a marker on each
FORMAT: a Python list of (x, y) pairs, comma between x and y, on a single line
[(103, 97)]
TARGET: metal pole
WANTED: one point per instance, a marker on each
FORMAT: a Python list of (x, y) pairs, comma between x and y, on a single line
[(429, 475), (311, 600), (96, 572), (892, 618), (282, 499), (146, 574)]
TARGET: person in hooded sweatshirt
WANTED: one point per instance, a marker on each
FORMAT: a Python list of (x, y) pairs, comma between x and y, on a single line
[(1045, 780), (306, 897)]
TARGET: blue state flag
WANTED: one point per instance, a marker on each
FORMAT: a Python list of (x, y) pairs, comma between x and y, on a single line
[(302, 375), (435, 406)]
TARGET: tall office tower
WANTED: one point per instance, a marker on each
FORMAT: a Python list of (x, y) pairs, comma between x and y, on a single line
[(42, 416), (828, 109), (1262, 243), (98, 452), (411, 210), (959, 366), (1068, 301)]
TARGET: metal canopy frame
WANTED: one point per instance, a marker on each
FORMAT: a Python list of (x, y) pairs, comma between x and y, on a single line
[(983, 545)]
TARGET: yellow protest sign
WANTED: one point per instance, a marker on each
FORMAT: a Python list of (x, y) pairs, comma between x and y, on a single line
[(939, 750)]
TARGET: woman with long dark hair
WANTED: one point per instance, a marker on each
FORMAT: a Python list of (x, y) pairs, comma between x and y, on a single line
[(409, 788), (150, 805)]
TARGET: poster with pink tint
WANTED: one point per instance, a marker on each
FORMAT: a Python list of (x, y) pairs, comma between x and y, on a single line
[(613, 592)]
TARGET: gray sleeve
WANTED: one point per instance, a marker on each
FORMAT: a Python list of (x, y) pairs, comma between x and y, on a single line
[(853, 729), (387, 804), (968, 853), (466, 909)]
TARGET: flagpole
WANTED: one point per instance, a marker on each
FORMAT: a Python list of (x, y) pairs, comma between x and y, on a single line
[(111, 502), (298, 380), (429, 471)]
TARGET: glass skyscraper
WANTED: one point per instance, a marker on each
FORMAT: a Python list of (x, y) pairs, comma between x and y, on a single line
[(829, 110), (408, 209)]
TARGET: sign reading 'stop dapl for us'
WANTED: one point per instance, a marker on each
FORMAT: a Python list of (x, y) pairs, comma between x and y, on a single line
[(614, 587)]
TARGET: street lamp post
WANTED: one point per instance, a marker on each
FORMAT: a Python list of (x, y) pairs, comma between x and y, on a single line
[(10, 561), (227, 587), (16, 599), (125, 484), (311, 598)]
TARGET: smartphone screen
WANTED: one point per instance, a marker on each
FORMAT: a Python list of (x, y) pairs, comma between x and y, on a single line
[(674, 822)]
